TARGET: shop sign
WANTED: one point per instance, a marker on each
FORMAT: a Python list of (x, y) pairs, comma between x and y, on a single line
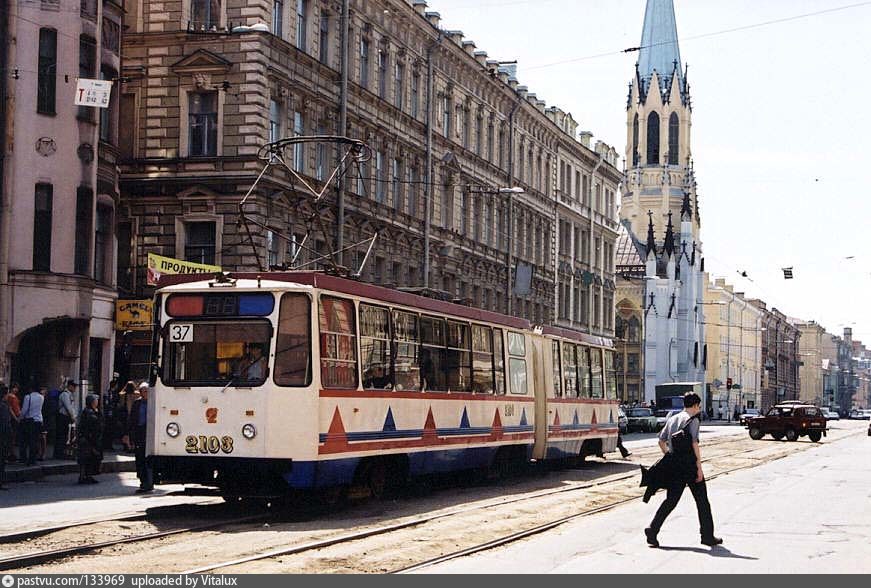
[(159, 265), (133, 315)]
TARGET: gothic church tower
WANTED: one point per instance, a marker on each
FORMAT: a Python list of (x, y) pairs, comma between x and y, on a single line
[(659, 122)]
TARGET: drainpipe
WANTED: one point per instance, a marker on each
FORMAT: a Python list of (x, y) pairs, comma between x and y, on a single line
[(509, 254), (343, 128), (427, 212), (590, 244), (7, 52)]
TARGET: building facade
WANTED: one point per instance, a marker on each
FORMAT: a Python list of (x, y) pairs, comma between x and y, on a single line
[(60, 193), (812, 362), (780, 357), (733, 350), (660, 201), (454, 140)]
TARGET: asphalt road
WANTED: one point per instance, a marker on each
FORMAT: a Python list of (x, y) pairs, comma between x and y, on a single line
[(807, 513)]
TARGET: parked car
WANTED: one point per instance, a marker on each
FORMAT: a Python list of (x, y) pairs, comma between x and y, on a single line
[(747, 415), (859, 414), (831, 415), (662, 416), (789, 421), (641, 419), (622, 421)]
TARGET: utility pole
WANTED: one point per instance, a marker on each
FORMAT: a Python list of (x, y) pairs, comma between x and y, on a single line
[(343, 128), (509, 254)]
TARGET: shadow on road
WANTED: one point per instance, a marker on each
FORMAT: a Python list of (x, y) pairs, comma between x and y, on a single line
[(718, 551)]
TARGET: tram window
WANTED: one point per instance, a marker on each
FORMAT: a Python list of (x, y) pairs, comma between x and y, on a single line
[(406, 343), (459, 357), (293, 342), (583, 371), (433, 361), (516, 345), (338, 344), (596, 373), (482, 360), (570, 370), (219, 353), (498, 361), (375, 348), (610, 376), (557, 371)]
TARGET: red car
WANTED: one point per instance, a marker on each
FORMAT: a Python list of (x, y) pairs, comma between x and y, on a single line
[(789, 421)]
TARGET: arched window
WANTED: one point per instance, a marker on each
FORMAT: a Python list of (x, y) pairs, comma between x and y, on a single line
[(673, 139), (653, 139), (634, 330), (635, 155)]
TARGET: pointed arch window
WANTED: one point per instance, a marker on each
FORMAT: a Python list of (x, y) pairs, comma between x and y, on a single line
[(673, 139), (635, 155), (653, 139)]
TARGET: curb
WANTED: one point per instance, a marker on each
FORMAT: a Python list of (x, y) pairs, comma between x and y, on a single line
[(32, 474)]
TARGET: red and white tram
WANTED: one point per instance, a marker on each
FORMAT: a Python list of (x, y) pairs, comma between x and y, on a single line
[(297, 380)]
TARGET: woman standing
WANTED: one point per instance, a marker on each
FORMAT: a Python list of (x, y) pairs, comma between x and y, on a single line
[(13, 399), (90, 433)]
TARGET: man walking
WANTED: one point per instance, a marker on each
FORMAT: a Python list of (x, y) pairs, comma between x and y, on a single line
[(680, 437), (65, 415), (137, 422), (31, 417)]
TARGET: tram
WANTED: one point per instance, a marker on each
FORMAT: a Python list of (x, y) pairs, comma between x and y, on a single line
[(272, 382)]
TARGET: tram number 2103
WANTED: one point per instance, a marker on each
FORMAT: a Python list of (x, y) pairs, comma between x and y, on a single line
[(208, 444)]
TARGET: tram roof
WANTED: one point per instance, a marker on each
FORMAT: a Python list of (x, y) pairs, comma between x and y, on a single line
[(347, 286)]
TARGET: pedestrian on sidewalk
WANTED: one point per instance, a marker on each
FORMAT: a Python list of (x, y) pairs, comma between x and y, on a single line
[(137, 423), (65, 415), (680, 438), (623, 451), (5, 439), (12, 400), (31, 417), (127, 397), (89, 441)]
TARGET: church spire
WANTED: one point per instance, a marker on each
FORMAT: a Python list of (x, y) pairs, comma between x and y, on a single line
[(651, 239), (660, 50), (669, 237)]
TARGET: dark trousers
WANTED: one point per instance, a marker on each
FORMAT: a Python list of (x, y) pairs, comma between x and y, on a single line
[(32, 432), (143, 468), (700, 493), (623, 451), (3, 450), (61, 435)]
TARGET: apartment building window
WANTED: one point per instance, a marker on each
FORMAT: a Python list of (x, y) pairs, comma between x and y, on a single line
[(203, 124), (446, 115), (598, 198), (380, 183), (467, 131), (42, 218), (274, 120), (324, 40), (200, 242), (278, 18), (399, 85), (585, 190), (84, 222), (364, 62), (398, 200), (321, 155), (107, 115), (487, 220), (382, 73), (46, 78), (413, 180), (205, 14), (87, 69), (490, 135), (447, 206), (298, 148), (597, 307), (103, 244), (273, 249), (479, 134), (502, 148), (301, 24), (363, 178), (415, 94)]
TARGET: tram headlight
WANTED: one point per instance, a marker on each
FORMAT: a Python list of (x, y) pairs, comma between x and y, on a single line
[(173, 430), (248, 431)]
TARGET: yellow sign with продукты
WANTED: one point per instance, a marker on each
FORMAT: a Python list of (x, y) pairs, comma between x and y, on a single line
[(159, 265)]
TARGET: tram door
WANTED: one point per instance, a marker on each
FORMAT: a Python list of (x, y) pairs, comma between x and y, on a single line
[(538, 377)]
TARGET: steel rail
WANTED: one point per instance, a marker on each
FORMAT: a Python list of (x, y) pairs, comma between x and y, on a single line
[(29, 559)]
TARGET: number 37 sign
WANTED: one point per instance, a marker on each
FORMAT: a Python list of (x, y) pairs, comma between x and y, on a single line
[(93, 93)]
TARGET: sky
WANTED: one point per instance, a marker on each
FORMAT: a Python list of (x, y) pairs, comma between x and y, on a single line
[(780, 127)]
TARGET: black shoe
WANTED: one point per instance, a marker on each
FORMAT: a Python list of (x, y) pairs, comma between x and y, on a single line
[(144, 490), (82, 481), (91, 480), (712, 541), (626, 454), (651, 537)]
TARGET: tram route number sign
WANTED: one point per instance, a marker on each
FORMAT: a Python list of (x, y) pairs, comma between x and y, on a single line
[(208, 444), (181, 333)]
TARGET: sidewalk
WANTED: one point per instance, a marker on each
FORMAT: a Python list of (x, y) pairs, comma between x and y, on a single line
[(113, 462)]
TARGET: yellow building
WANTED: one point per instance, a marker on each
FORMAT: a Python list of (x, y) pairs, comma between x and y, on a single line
[(734, 351), (812, 352)]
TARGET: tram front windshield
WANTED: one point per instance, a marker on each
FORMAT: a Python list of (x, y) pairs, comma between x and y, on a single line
[(215, 353)]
